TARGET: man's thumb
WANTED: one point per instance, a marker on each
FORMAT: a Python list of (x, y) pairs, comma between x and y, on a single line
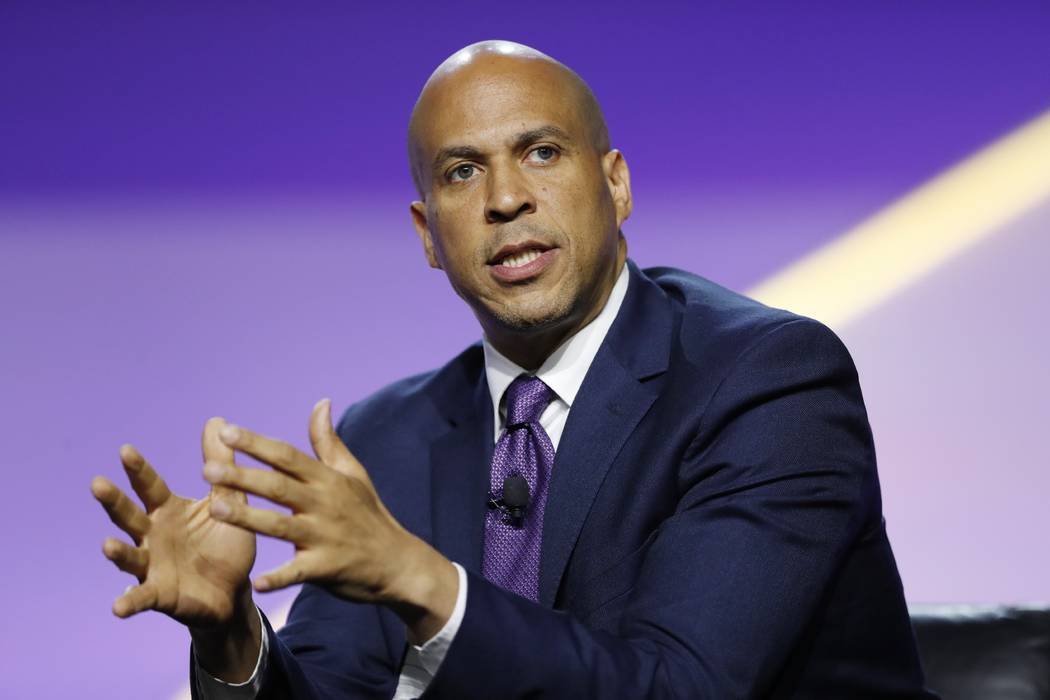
[(328, 446), (214, 449)]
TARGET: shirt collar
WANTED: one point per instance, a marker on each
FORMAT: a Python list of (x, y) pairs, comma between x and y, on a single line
[(563, 371)]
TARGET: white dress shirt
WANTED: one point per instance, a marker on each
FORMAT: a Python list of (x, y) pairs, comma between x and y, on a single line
[(563, 371)]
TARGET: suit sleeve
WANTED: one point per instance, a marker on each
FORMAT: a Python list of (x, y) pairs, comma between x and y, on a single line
[(776, 486), (330, 648)]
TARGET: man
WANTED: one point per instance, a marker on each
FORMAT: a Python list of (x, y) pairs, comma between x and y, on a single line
[(649, 486)]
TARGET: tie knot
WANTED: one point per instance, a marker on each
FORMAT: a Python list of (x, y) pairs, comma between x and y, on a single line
[(527, 396)]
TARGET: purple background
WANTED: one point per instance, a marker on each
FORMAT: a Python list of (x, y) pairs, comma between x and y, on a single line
[(203, 210)]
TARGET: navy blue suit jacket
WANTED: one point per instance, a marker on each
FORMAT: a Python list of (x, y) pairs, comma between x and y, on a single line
[(714, 526)]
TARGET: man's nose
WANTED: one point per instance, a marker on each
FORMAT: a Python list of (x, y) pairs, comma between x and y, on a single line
[(508, 196)]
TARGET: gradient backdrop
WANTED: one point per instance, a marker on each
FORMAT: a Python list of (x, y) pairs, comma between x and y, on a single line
[(203, 210)]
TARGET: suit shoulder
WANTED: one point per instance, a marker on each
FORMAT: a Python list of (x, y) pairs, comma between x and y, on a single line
[(719, 322), (408, 401)]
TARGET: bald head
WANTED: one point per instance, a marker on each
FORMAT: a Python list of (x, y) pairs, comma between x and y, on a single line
[(493, 66)]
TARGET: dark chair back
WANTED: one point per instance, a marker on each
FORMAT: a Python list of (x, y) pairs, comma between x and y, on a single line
[(984, 652)]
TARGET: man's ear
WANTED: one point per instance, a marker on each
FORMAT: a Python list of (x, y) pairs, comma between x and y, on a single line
[(618, 179), (419, 220)]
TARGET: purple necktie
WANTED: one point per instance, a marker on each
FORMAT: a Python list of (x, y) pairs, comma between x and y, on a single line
[(512, 551)]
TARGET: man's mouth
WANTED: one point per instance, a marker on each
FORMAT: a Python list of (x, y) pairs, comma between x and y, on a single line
[(519, 254), (521, 262)]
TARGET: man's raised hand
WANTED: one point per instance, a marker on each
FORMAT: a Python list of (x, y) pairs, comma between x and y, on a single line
[(189, 565), (345, 538)]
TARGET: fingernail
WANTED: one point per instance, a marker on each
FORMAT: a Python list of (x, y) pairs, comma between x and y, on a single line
[(213, 471), (220, 509), (229, 434)]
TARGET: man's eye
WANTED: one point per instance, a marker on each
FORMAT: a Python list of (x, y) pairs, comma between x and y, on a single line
[(462, 172), (545, 153)]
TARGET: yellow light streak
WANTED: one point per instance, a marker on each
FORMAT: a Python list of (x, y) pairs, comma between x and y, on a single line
[(902, 243)]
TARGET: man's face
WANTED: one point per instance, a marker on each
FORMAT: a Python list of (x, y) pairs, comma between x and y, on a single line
[(520, 208)]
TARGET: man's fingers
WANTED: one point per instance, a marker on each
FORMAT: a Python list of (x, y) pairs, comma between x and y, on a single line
[(150, 488), (135, 600), (328, 446), (271, 485), (131, 560), (265, 522), (278, 454), (121, 509), (296, 571)]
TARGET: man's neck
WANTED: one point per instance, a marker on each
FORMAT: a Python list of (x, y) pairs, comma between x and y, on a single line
[(530, 349)]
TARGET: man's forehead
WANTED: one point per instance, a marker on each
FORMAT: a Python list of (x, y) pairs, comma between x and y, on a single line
[(495, 109)]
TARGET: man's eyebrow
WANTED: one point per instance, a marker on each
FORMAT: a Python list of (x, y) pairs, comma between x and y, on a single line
[(527, 138), (451, 152)]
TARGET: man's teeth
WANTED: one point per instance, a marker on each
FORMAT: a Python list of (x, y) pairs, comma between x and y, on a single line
[(520, 259)]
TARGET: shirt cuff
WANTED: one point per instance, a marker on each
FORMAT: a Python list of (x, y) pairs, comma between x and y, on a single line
[(211, 688), (433, 652)]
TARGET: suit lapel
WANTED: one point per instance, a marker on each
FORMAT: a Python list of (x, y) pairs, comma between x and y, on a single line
[(459, 463), (611, 402), (602, 418)]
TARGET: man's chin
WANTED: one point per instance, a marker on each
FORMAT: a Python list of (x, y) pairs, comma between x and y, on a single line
[(529, 320)]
